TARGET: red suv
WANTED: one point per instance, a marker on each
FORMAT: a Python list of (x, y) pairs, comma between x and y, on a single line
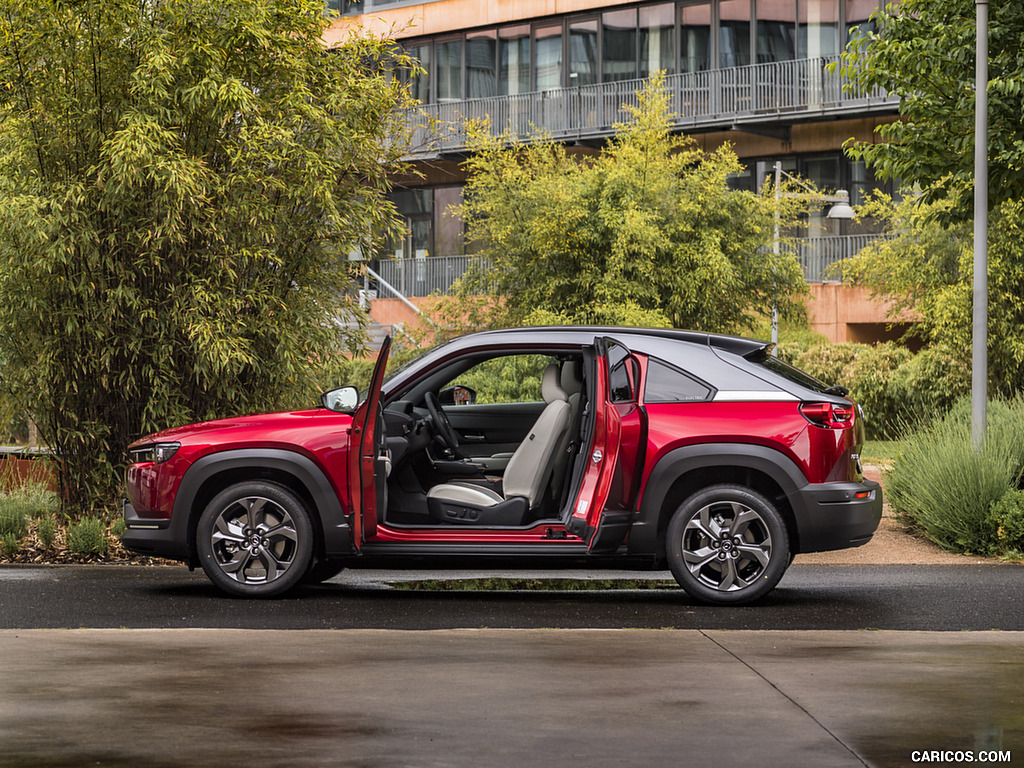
[(534, 446)]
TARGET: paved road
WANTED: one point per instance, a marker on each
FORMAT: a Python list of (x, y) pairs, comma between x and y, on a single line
[(947, 598), (210, 691)]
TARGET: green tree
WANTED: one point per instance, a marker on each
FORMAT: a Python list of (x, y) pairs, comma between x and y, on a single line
[(646, 233), (926, 269), (924, 51), (180, 183)]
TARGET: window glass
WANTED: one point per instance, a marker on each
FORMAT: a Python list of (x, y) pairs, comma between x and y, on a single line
[(583, 52), (858, 18), (514, 60), (508, 379), (819, 28), (618, 38), (734, 33), (665, 384), (548, 50), (622, 374), (481, 64), (776, 30), (657, 40), (419, 84), (448, 228), (695, 38), (449, 70)]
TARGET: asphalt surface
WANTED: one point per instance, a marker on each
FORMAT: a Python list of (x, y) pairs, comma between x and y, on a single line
[(810, 597), (183, 676)]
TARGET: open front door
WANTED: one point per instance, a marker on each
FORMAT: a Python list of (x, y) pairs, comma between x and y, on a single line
[(603, 511), (366, 456)]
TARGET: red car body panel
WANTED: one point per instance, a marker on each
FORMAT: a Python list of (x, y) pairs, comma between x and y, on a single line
[(754, 432)]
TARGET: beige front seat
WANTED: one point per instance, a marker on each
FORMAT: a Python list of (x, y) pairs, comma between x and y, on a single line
[(526, 476)]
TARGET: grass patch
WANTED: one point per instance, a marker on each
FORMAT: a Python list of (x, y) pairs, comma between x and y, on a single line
[(880, 451), (497, 584)]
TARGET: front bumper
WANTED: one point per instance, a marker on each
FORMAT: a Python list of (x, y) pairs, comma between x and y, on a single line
[(153, 537), (836, 515)]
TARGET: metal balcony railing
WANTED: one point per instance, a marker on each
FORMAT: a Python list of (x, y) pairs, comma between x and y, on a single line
[(758, 94), (437, 274), (818, 254)]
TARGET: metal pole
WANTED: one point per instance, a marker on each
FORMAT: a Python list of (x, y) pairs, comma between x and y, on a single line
[(775, 262), (979, 367)]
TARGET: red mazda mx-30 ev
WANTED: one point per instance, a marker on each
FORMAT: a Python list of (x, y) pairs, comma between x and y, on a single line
[(534, 447)]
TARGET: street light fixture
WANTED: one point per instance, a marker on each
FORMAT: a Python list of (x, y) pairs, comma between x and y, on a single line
[(840, 210)]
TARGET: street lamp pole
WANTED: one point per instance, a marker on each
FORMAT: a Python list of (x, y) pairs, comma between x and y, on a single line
[(776, 249), (979, 367)]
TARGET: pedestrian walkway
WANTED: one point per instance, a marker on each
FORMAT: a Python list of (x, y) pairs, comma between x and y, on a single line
[(509, 698)]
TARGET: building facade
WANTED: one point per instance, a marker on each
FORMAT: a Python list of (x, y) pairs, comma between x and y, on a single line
[(758, 74)]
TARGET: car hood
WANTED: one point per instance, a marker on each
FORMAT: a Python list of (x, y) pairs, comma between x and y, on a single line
[(265, 425)]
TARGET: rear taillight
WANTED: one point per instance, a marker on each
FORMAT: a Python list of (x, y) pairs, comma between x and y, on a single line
[(828, 415)]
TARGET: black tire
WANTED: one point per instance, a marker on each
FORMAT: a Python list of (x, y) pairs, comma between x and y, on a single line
[(727, 545), (255, 539), (322, 570)]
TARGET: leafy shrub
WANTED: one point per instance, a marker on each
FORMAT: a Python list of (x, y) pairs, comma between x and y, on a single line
[(931, 382), (941, 483), (119, 527), (830, 362), (47, 530), (871, 378), (1008, 514), (88, 536), (10, 544), (12, 519)]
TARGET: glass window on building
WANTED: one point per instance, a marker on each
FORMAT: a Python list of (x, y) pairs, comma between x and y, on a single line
[(416, 206), (547, 45), (825, 172), (514, 60), (695, 38), (657, 39), (345, 7), (419, 83), (734, 33), (776, 30), (449, 70), (583, 66), (858, 18), (618, 40), (818, 33), (448, 228), (481, 64)]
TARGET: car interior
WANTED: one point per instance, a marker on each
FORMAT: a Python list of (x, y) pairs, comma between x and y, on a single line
[(488, 441)]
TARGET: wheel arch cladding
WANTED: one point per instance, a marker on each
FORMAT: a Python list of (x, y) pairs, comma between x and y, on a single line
[(213, 473), (683, 471)]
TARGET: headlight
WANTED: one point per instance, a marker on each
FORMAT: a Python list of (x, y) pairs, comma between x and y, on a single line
[(156, 453)]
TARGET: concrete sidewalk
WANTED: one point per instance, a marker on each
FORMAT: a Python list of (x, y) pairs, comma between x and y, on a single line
[(508, 697)]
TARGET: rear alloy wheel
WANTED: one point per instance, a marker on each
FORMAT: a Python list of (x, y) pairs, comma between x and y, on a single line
[(255, 539), (727, 545)]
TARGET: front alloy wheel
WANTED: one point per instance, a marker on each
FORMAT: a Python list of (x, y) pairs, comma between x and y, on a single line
[(255, 540), (727, 545)]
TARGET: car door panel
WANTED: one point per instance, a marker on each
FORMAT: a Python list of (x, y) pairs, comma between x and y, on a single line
[(602, 512), (494, 428), (367, 456)]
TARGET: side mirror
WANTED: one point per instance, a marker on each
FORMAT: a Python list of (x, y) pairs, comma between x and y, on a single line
[(342, 399), (457, 395)]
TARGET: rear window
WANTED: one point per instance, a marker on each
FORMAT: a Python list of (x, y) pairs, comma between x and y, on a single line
[(787, 371), (666, 384)]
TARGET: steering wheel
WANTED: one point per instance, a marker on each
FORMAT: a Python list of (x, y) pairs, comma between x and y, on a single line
[(439, 419)]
